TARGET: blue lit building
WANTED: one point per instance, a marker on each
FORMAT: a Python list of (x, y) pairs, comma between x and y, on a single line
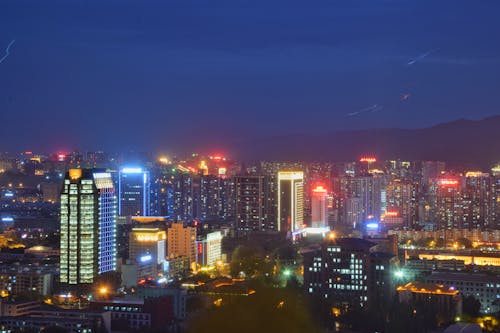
[(134, 192), (88, 226)]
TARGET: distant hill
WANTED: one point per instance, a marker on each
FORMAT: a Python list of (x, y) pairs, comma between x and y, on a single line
[(474, 142)]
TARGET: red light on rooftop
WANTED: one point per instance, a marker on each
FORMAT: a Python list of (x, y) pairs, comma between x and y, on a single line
[(368, 159), (28, 153), (448, 182), (319, 189)]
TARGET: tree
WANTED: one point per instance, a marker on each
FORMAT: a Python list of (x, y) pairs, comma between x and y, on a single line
[(246, 259), (471, 306), (466, 243), (269, 310)]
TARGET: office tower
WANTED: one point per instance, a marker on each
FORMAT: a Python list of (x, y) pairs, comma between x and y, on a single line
[(181, 241), (209, 249), (449, 204), (290, 201), (348, 272), (147, 241), (88, 226), (133, 192), (319, 207)]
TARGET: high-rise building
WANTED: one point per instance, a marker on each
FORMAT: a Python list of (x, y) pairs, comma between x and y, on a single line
[(349, 272), (209, 249), (449, 203), (319, 207), (249, 202), (401, 200), (181, 241), (88, 226), (476, 197), (290, 201), (134, 192), (144, 241)]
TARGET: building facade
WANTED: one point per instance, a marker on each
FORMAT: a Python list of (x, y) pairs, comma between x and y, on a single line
[(88, 226)]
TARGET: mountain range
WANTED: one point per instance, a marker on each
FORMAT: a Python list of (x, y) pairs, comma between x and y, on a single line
[(471, 143)]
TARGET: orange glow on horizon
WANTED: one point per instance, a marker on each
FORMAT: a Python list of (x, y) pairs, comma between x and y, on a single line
[(368, 159)]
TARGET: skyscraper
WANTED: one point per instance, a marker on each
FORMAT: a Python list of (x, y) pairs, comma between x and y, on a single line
[(134, 192), (290, 200), (449, 203), (319, 207), (88, 226)]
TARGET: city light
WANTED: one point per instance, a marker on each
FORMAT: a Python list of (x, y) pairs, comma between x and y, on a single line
[(146, 258), (131, 170), (319, 189), (448, 182)]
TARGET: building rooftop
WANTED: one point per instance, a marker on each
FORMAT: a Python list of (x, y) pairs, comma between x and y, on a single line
[(427, 288), (353, 243), (464, 276)]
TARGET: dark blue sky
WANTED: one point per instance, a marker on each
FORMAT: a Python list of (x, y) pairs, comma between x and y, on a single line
[(170, 74)]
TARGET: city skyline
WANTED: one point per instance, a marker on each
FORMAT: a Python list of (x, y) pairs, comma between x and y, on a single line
[(165, 71)]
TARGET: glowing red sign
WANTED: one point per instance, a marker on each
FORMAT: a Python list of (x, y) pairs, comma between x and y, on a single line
[(448, 182), (368, 159), (319, 189), (391, 213)]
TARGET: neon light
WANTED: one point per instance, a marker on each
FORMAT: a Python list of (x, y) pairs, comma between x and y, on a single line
[(145, 258), (319, 189), (132, 170), (372, 225), (471, 174), (391, 213), (448, 182), (368, 159), (7, 219)]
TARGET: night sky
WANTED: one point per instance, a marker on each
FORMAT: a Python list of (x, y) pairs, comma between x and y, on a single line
[(171, 74)]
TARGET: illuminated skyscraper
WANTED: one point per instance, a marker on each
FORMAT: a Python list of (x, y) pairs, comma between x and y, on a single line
[(88, 226), (134, 192), (249, 202), (449, 203), (319, 207), (290, 200)]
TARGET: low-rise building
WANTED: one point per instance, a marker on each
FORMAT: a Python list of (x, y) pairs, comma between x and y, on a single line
[(484, 287)]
